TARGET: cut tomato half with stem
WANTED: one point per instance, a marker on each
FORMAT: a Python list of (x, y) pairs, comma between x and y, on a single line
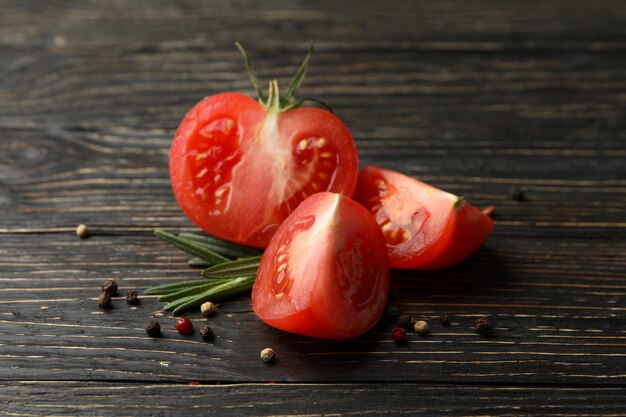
[(239, 166), (424, 227), (325, 273)]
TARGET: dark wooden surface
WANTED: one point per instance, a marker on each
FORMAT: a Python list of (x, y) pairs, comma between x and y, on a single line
[(474, 97)]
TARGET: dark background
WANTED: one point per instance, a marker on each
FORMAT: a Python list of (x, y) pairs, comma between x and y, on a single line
[(475, 97)]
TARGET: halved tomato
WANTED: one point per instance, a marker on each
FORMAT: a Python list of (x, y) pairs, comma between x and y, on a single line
[(425, 227), (325, 273), (239, 166)]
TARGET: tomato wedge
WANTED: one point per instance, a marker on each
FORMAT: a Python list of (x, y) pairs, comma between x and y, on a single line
[(424, 227), (325, 273), (239, 166)]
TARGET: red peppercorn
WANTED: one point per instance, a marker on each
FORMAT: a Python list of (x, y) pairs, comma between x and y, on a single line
[(184, 325), (398, 334)]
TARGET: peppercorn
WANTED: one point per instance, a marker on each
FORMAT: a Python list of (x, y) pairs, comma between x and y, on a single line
[(517, 194), (208, 308), (184, 326), (104, 301), (398, 334), (110, 287), (483, 325), (268, 355), (421, 327), (404, 321), (392, 312), (153, 328), (132, 298), (444, 320), (207, 333), (82, 231)]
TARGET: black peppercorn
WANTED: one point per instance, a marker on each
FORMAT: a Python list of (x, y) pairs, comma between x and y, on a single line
[(483, 325), (392, 312), (207, 333), (404, 321), (518, 194), (132, 298), (110, 287), (104, 301), (153, 328), (444, 320)]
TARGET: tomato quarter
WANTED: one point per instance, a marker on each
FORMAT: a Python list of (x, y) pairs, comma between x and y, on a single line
[(239, 166), (325, 273), (424, 227)]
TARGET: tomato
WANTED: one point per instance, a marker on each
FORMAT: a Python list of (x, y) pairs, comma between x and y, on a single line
[(239, 166), (325, 273), (425, 228)]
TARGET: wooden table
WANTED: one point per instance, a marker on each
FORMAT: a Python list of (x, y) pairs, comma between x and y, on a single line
[(476, 98)]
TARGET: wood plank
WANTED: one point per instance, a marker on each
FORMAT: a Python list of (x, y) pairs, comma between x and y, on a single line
[(45, 398), (452, 24), (476, 98), (54, 182), (409, 94), (557, 307)]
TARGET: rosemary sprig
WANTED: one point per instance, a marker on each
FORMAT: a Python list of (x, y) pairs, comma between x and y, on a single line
[(242, 266), (176, 286), (224, 277), (218, 292), (185, 292)]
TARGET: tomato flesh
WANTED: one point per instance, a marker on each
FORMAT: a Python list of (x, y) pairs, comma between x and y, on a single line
[(238, 170), (325, 273), (424, 227)]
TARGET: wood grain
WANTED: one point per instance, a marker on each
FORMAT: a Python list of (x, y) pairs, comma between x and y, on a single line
[(557, 306), (454, 24), (478, 98), (35, 398)]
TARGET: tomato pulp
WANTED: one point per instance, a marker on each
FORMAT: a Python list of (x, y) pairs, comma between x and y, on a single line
[(239, 168), (424, 227), (325, 273)]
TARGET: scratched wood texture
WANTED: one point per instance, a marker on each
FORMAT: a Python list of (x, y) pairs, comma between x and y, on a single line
[(475, 97)]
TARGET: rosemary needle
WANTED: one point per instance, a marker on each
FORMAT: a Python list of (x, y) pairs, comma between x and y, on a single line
[(239, 267), (192, 248)]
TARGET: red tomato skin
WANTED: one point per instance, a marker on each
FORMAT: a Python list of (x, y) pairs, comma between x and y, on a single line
[(462, 230), (320, 310), (257, 185)]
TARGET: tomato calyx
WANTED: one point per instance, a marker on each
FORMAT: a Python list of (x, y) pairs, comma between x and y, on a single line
[(459, 202), (274, 102)]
